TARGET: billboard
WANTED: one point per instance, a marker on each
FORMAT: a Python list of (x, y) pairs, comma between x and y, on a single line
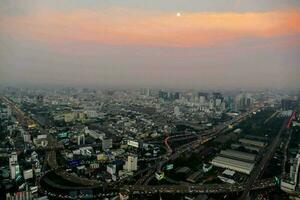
[(159, 176), (62, 135), (169, 167), (74, 163), (18, 172), (43, 136), (28, 174), (33, 189), (30, 126), (133, 143)]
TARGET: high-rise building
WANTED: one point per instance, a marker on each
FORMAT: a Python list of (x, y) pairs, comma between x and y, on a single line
[(27, 138), (131, 163), (176, 95), (294, 169), (211, 104), (163, 95), (13, 165), (13, 157), (217, 95), (177, 112), (218, 102), (106, 143), (14, 170), (243, 102), (292, 182), (111, 168), (146, 92), (168, 96), (81, 139), (202, 97)]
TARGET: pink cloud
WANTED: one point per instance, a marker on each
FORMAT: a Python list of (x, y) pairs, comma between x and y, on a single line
[(131, 27)]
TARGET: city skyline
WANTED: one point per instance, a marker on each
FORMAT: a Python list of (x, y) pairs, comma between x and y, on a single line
[(72, 143), (229, 44)]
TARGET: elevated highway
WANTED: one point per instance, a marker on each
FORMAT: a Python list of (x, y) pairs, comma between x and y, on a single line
[(203, 138), (198, 189), (50, 186)]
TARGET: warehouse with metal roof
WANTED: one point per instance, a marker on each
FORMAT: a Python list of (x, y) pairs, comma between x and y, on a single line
[(252, 142), (233, 164), (238, 155), (248, 147)]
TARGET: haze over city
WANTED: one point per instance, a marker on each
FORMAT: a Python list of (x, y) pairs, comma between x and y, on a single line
[(171, 43), (149, 99)]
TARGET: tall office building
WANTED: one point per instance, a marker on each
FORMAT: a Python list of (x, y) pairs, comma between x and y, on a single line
[(202, 98), (146, 92), (13, 165), (243, 102), (81, 139), (14, 170)]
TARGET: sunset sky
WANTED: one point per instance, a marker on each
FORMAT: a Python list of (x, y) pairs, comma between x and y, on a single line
[(157, 43)]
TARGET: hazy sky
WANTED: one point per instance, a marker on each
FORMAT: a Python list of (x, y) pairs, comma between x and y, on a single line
[(151, 43)]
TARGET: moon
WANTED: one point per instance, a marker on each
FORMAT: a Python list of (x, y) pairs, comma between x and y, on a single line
[(178, 14)]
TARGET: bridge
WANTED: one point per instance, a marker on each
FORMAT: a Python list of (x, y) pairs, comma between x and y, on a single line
[(198, 189), (108, 190)]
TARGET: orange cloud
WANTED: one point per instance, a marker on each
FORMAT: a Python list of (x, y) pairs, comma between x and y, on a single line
[(122, 26)]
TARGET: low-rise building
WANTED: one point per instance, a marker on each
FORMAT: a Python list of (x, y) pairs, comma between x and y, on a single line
[(238, 155), (232, 164), (252, 142)]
